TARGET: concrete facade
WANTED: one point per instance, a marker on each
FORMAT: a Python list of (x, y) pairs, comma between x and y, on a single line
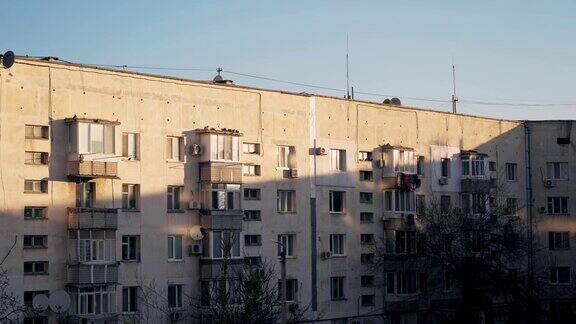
[(62, 96)]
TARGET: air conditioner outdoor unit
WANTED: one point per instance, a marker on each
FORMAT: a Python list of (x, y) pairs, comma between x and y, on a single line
[(194, 249), (293, 173), (175, 317), (195, 149), (549, 183), (326, 255), (443, 181), (194, 204), (542, 210), (321, 151)]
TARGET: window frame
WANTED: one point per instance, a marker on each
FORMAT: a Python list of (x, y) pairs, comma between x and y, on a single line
[(251, 170), (559, 240), (86, 145), (561, 202), (33, 243), (33, 210), (131, 246), (337, 288), (174, 198), (130, 299), (337, 160), (36, 272), (252, 190), (38, 186), (289, 241), (246, 148), (365, 156), (131, 149), (173, 255), (130, 193), (38, 158), (363, 221), (561, 168), (511, 171), (333, 195), (338, 245), (176, 290), (366, 194), (286, 201), (44, 131), (554, 275)]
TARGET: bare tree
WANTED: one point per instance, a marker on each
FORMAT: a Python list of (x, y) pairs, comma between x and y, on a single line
[(11, 306)]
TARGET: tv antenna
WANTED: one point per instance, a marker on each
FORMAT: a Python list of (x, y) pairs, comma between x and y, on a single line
[(347, 72), (454, 98)]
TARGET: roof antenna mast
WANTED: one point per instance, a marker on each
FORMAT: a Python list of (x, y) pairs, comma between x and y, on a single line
[(454, 98), (347, 73)]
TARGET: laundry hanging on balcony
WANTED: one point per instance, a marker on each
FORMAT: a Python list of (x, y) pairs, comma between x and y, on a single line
[(407, 181)]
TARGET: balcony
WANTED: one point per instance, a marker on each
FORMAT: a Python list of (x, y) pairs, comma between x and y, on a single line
[(221, 172), (92, 218), (92, 169), (210, 268), (92, 274), (477, 185), (221, 219)]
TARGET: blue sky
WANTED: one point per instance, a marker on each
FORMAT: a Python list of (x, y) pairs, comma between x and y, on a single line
[(505, 51)]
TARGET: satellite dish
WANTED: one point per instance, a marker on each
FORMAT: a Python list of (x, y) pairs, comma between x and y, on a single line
[(386, 101), (7, 59), (196, 233), (59, 301), (40, 302), (395, 102)]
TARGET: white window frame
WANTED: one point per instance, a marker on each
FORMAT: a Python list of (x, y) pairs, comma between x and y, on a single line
[(337, 160), (175, 245), (338, 245), (34, 212), (224, 147), (103, 300), (91, 133), (35, 186), (403, 160), (288, 240), (130, 196), (337, 288), (286, 201), (177, 290), (35, 158), (233, 236), (364, 156), (131, 145), (399, 201), (284, 157), (250, 148), (332, 195), (174, 196), (558, 201), (97, 250), (557, 171), (175, 149), (129, 296), (251, 170), (36, 132), (128, 247)]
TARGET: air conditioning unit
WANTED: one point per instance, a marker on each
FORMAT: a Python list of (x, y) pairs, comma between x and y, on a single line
[(410, 219), (193, 204), (321, 151), (195, 149), (326, 255), (443, 181), (549, 183), (542, 210), (293, 173), (381, 163), (194, 249), (175, 317)]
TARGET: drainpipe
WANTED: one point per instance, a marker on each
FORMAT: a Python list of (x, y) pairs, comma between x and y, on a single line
[(530, 205)]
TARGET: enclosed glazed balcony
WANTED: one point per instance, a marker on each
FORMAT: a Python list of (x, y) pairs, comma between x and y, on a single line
[(92, 274), (92, 218), (221, 219), (93, 169), (221, 172)]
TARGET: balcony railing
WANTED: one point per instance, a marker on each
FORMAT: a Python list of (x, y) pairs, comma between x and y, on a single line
[(222, 219), (93, 169), (477, 185), (92, 218), (220, 172), (88, 274)]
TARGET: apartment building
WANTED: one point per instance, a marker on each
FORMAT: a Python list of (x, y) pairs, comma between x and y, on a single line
[(115, 180)]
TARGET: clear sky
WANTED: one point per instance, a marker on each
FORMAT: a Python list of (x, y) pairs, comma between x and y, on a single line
[(505, 51)]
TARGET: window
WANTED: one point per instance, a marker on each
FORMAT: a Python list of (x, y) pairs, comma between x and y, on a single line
[(366, 197), (511, 206), (492, 166), (85, 194), (560, 275), (337, 201), (95, 138), (447, 281), (511, 171), (287, 242), (252, 240), (224, 196), (403, 161), (35, 241), (131, 146), (35, 186), (253, 261), (175, 148), (337, 288), (367, 238), (405, 242), (173, 198), (96, 300), (174, 296), (557, 205), (251, 194), (130, 299), (367, 258), (286, 200), (420, 204), (225, 244), (367, 300), (131, 247), (291, 289), (130, 196), (338, 160), (251, 170), (251, 148), (559, 241), (36, 268), (174, 247), (36, 131), (337, 242), (95, 245), (474, 203), (366, 175), (29, 295), (476, 240), (224, 147), (420, 165), (399, 201), (31, 212), (366, 217), (445, 204), (367, 281), (36, 158), (252, 215), (557, 171), (405, 282), (285, 157), (364, 156), (445, 167), (473, 165)]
